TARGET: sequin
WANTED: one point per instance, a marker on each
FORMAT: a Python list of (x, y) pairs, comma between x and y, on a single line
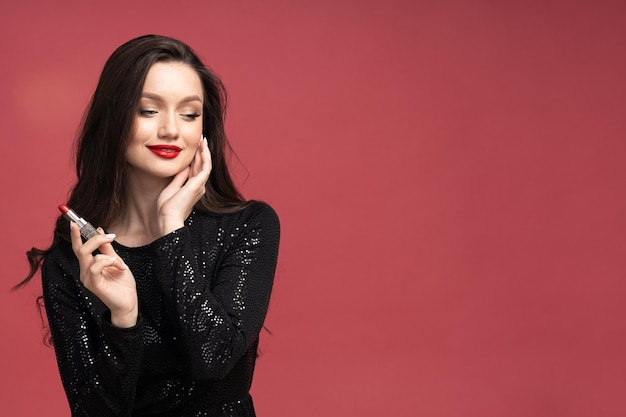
[(203, 290)]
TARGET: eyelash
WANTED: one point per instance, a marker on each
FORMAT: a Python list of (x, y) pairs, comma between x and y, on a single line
[(188, 116)]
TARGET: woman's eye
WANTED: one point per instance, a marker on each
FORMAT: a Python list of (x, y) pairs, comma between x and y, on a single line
[(147, 112), (191, 116)]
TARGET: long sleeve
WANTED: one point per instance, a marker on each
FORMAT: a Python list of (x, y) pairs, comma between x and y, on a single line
[(219, 309), (98, 363), (203, 294)]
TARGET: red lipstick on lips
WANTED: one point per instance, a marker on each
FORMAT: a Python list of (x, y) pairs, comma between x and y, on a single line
[(165, 151)]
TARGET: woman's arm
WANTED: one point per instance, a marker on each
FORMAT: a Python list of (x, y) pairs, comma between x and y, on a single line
[(98, 362), (219, 317)]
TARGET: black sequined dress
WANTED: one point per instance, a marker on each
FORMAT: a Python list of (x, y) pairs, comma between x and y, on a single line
[(203, 294)]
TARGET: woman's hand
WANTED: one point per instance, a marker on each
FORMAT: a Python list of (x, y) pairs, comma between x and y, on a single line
[(106, 276), (177, 199)]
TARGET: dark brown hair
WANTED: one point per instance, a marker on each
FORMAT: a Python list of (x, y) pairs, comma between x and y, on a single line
[(99, 192)]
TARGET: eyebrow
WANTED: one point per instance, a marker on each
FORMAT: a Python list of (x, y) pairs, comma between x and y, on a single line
[(157, 97)]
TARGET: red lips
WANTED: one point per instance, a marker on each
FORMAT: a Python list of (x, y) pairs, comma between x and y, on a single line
[(165, 151)]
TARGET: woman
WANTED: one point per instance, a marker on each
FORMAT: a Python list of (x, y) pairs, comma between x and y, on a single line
[(161, 314)]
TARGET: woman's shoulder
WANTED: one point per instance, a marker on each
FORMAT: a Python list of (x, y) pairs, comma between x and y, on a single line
[(254, 211), (59, 261), (260, 209), (255, 218), (59, 252), (257, 214)]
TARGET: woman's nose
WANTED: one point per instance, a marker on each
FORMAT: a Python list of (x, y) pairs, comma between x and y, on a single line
[(169, 127)]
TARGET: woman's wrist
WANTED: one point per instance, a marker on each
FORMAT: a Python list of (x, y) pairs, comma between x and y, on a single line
[(124, 320), (169, 224)]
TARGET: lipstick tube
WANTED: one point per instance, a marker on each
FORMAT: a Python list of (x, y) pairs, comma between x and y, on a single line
[(87, 231)]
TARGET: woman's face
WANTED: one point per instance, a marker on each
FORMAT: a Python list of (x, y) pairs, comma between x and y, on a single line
[(168, 124)]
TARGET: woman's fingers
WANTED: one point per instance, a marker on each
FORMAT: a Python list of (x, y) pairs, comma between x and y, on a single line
[(200, 168), (205, 159), (75, 236), (108, 251), (86, 249), (180, 178), (102, 242), (176, 184), (196, 163), (96, 268)]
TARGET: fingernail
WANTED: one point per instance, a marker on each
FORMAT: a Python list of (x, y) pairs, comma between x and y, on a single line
[(110, 235), (112, 259)]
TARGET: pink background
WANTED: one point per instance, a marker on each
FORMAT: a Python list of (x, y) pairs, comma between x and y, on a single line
[(449, 174)]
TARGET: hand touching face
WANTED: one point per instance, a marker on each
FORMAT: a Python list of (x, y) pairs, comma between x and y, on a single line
[(177, 200)]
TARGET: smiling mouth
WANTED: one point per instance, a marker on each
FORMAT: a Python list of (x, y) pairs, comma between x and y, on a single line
[(165, 151)]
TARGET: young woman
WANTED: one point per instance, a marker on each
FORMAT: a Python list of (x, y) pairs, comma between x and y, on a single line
[(160, 315)]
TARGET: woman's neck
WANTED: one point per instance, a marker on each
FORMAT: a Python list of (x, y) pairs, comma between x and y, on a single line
[(138, 224)]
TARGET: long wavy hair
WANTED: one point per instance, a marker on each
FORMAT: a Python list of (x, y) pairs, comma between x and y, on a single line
[(101, 168)]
